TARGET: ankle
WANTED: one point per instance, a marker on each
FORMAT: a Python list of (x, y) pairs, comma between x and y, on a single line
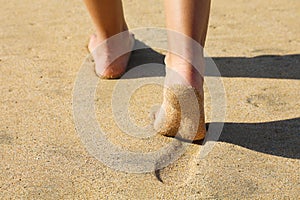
[(180, 64), (104, 34), (180, 71), (121, 40)]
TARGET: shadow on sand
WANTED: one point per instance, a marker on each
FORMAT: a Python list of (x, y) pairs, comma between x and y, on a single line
[(280, 138)]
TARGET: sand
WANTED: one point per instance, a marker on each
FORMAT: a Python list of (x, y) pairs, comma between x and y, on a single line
[(256, 47)]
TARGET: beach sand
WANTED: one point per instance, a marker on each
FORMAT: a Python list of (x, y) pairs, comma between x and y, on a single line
[(256, 46)]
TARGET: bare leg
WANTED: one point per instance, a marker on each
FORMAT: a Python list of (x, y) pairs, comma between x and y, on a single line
[(190, 18), (108, 19), (184, 67)]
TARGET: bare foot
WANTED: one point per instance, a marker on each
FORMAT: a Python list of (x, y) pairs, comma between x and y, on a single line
[(182, 110), (111, 55)]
